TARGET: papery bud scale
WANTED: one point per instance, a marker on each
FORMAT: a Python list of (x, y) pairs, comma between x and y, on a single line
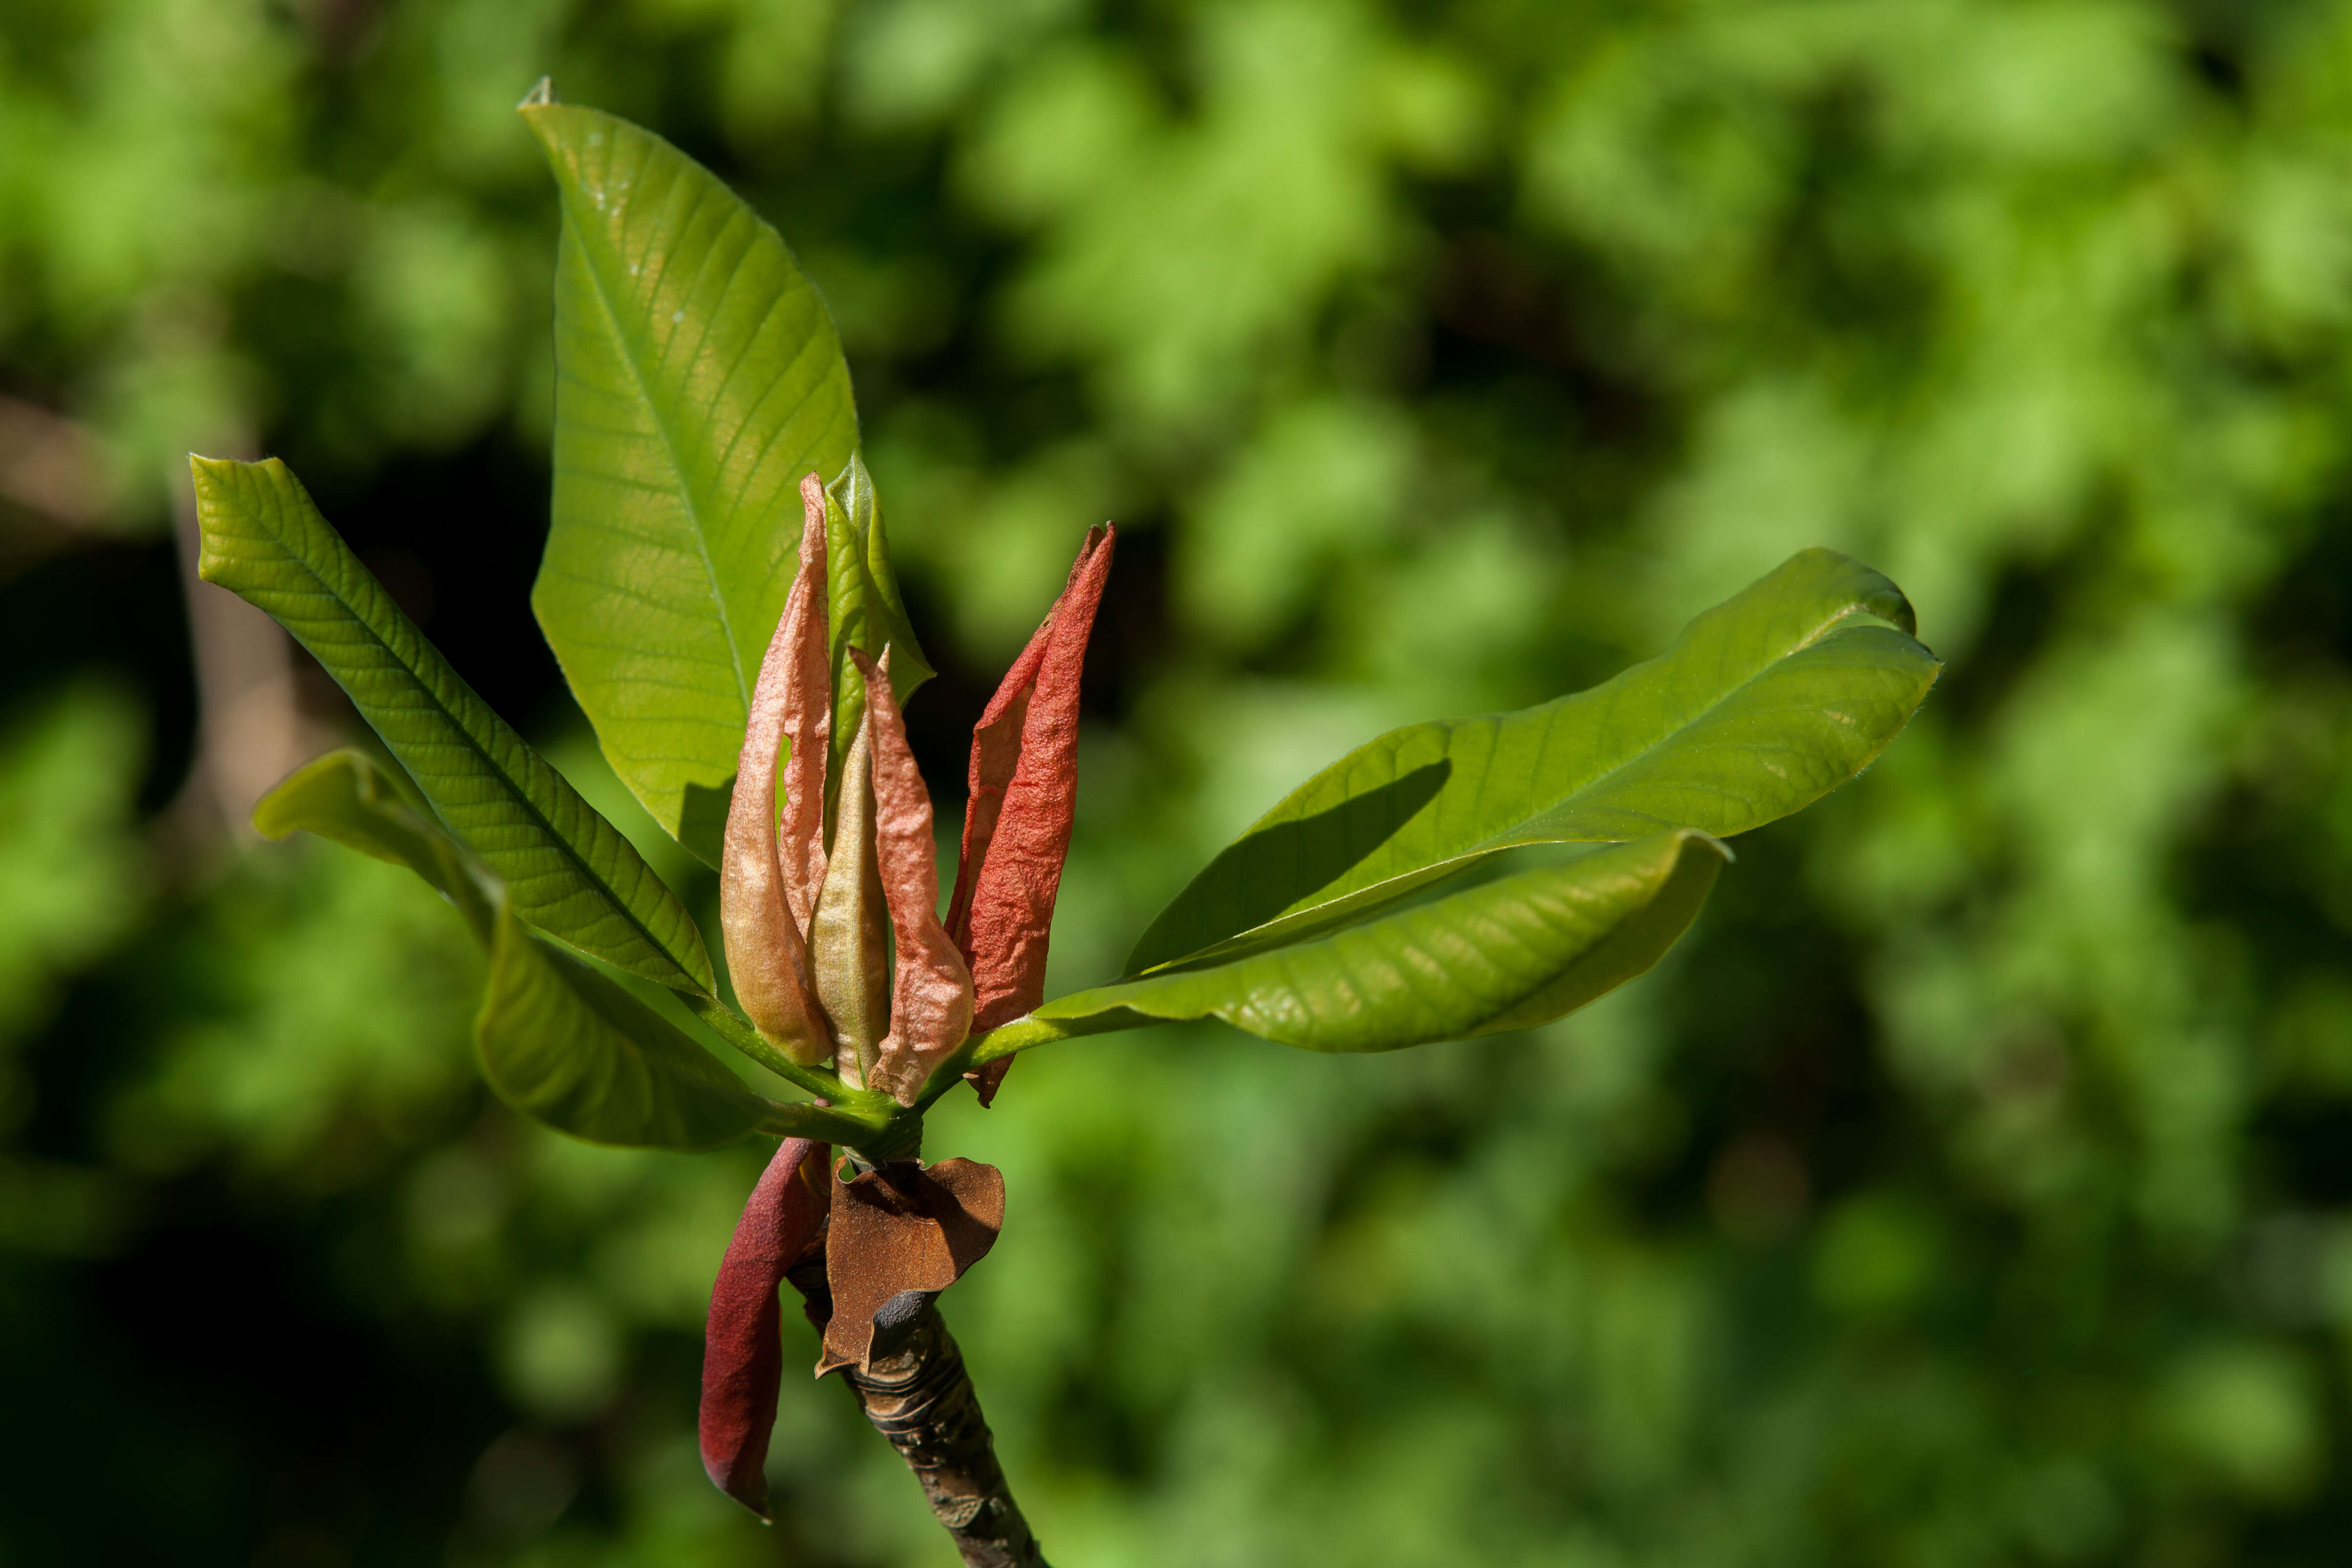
[(930, 992), (1023, 795)]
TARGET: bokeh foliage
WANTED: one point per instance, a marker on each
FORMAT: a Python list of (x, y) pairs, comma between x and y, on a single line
[(1969, 1188)]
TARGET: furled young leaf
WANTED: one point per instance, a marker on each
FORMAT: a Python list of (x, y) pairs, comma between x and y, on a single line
[(568, 871), (1763, 705), (1509, 953), (559, 1040), (849, 934), (698, 379), (866, 613)]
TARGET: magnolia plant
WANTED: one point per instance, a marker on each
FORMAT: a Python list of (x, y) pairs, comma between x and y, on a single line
[(745, 679)]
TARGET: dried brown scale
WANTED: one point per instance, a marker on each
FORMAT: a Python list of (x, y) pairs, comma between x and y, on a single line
[(896, 1236), (920, 1398)]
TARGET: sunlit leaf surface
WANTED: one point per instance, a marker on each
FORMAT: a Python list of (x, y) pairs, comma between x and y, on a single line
[(568, 871), (697, 380)]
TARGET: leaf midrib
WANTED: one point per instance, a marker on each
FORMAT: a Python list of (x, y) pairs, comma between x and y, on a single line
[(530, 807), (1431, 871), (669, 445), (1404, 962), (1811, 639)]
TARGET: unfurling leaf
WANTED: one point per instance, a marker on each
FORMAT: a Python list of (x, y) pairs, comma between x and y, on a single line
[(866, 613), (1763, 705), (1016, 825), (931, 990), (569, 871), (899, 1235), (742, 1344), (697, 378)]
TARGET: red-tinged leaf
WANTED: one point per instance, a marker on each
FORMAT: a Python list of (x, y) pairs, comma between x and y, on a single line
[(808, 716), (742, 1350), (760, 921), (931, 991), (1016, 826), (901, 1234)]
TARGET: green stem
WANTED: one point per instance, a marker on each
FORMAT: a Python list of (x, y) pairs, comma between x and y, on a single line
[(869, 1107), (944, 1077), (1006, 1039), (798, 1119), (867, 1120), (1023, 1032)]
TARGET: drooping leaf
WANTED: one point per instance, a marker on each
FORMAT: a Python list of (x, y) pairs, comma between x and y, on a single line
[(1509, 953), (567, 869), (344, 796), (559, 1040), (566, 1046), (697, 378), (866, 612), (1763, 705)]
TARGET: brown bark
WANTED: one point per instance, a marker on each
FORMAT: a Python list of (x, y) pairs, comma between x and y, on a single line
[(919, 1396)]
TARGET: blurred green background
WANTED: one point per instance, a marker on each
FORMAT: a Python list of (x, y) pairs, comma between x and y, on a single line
[(1973, 1187)]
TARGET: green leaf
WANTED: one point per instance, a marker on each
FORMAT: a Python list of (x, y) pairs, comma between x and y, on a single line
[(698, 379), (1763, 705), (569, 871), (558, 1041), (863, 607), (345, 797), (1507, 953), (566, 1046)]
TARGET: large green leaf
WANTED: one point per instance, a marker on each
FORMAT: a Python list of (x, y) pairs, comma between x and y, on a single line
[(1507, 953), (569, 871), (698, 379), (1763, 705), (558, 1041)]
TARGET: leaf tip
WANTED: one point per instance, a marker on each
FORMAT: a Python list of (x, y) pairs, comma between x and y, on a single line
[(208, 474), (541, 94), (1686, 836)]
